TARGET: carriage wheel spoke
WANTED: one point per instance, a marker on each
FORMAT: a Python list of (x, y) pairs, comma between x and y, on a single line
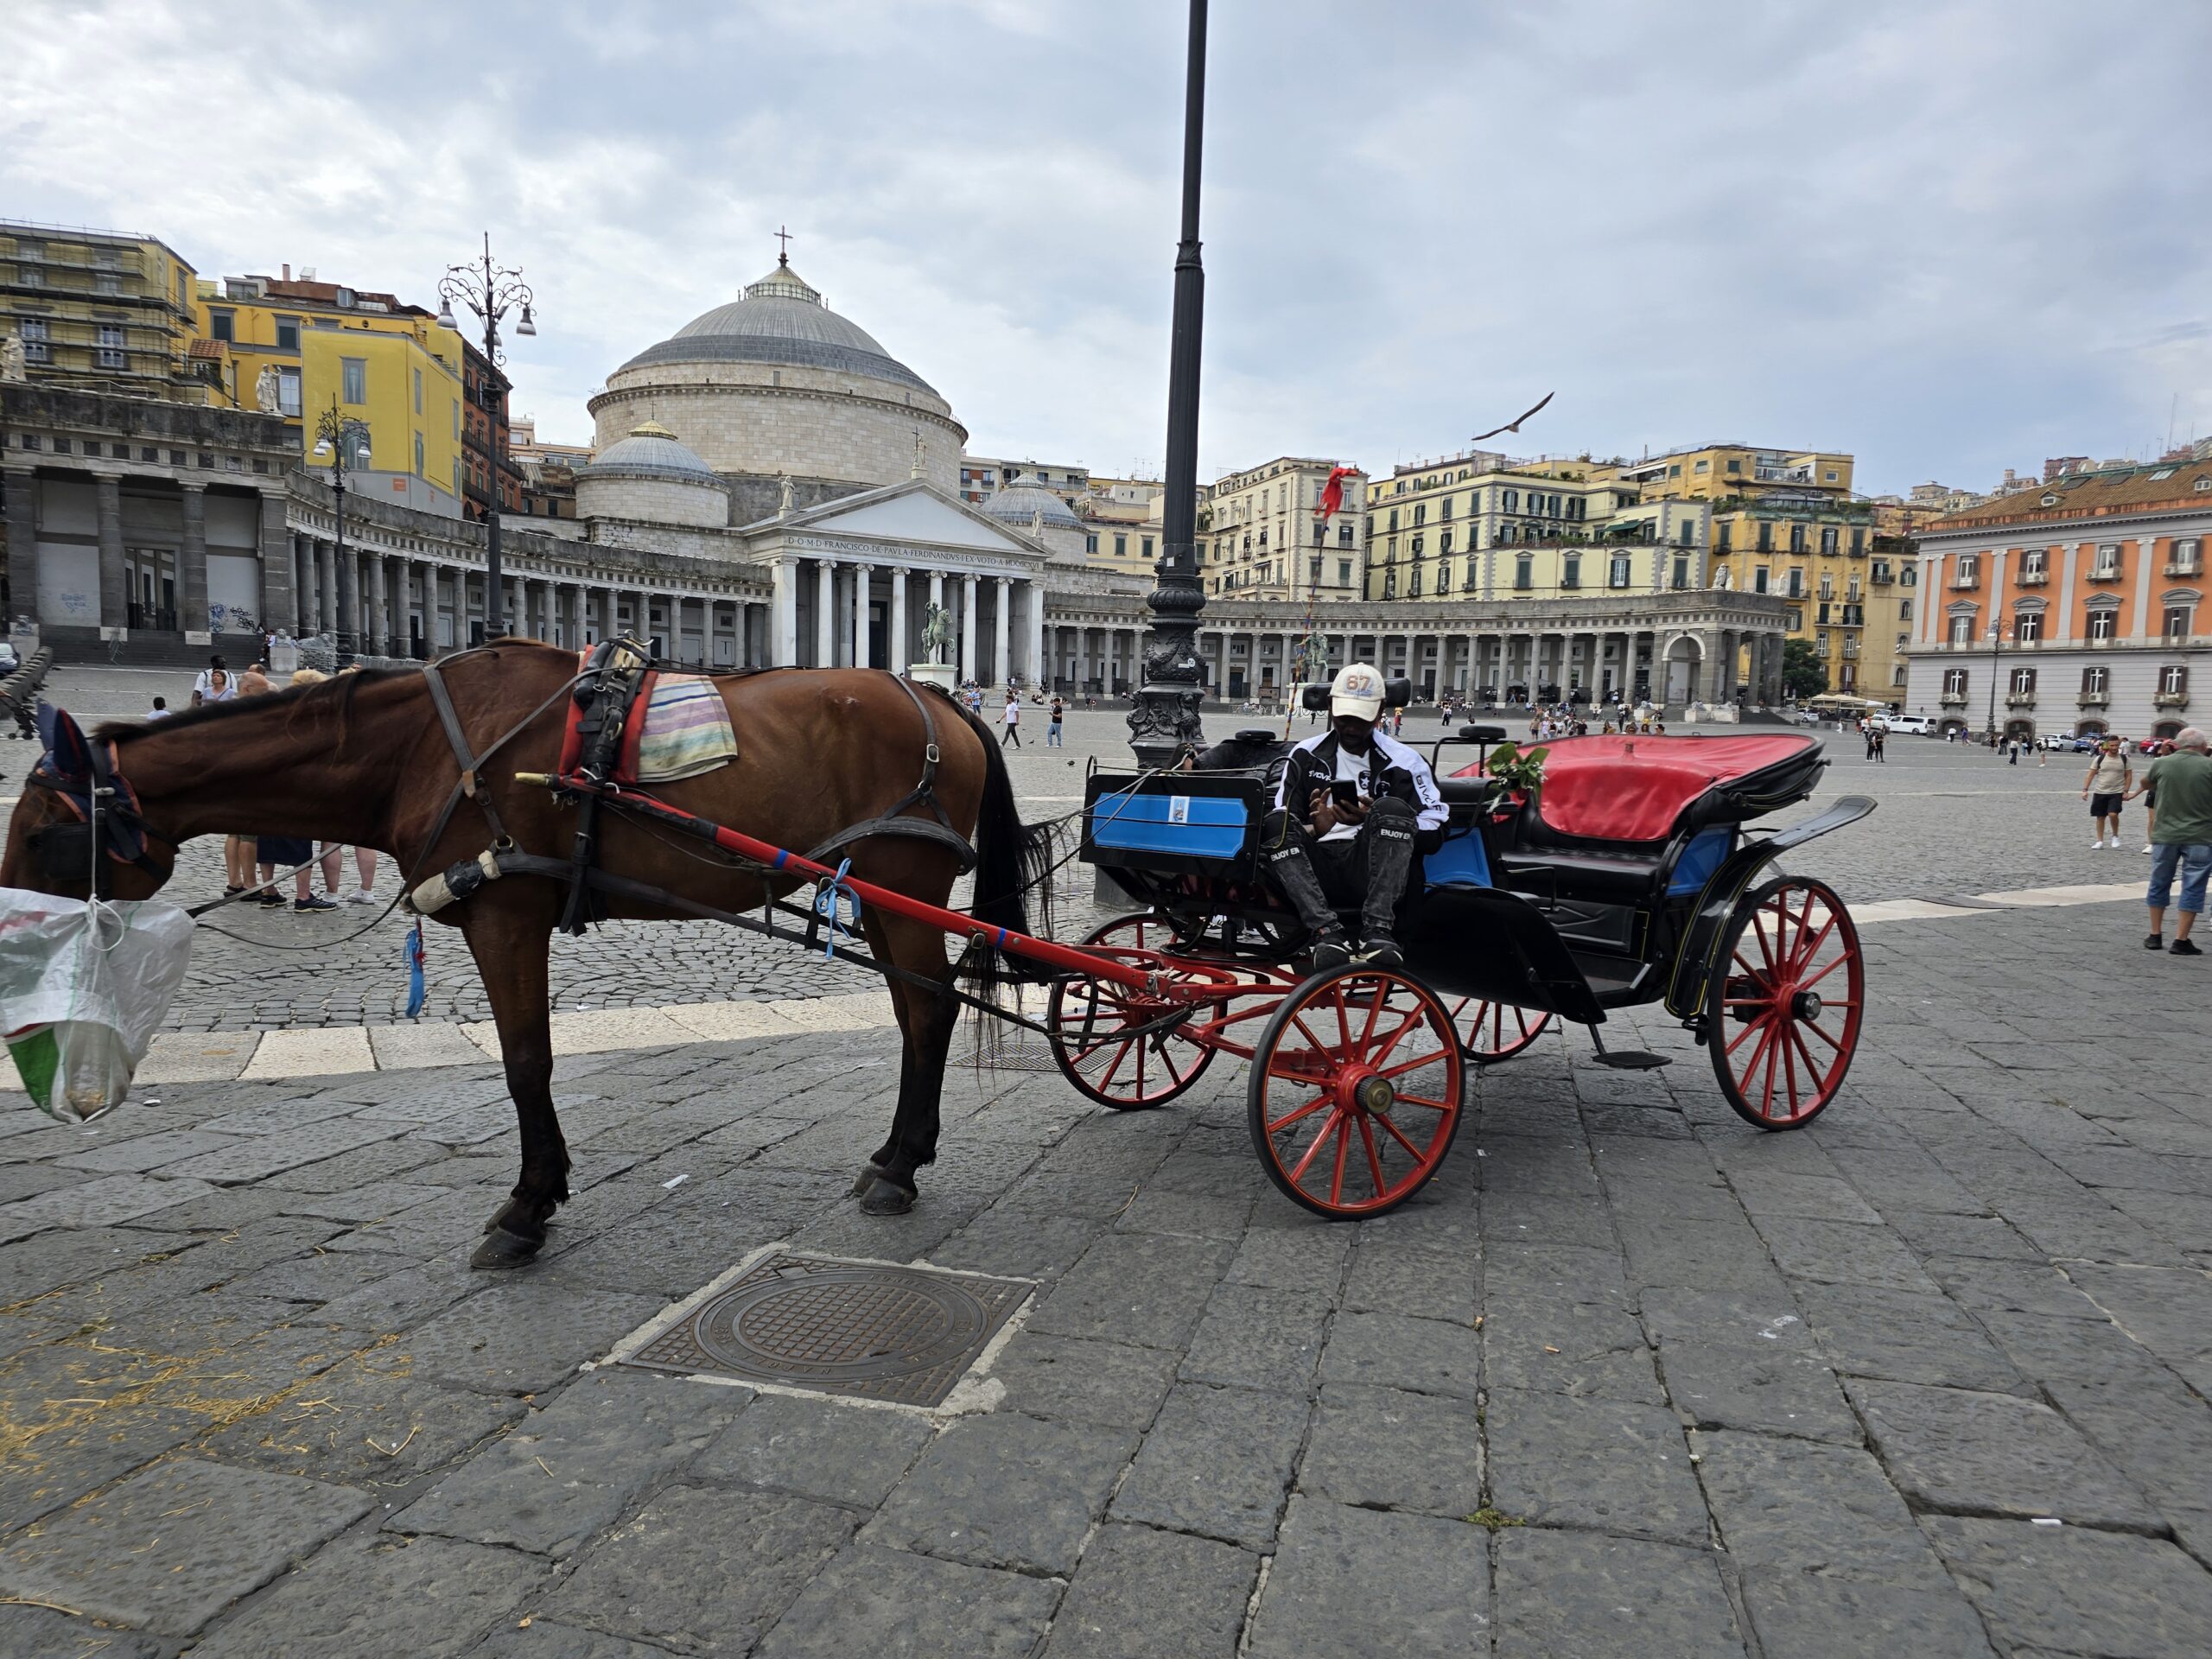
[(1320, 1139), (1806, 951), (1814, 1079), (1374, 1163), (1748, 1028), (1423, 1100), (1403, 1066), (1397, 1135), (1337, 1172), (1307, 1031), (1814, 1027), (1382, 1051), (1374, 1013), (1830, 967), (1789, 1072), (1278, 1125)]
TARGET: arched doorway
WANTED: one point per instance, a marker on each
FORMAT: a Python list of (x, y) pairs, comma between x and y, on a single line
[(2025, 730), (1952, 723), (1684, 664), (2165, 728)]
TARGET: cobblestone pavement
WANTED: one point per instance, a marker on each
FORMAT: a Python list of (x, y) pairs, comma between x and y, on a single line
[(1928, 1377)]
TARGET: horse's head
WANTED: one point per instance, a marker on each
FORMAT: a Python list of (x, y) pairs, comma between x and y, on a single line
[(49, 848)]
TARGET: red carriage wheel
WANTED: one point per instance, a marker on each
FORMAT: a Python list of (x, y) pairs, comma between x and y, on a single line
[(1355, 1091), (1498, 1030), (1783, 1010), (1088, 1020)]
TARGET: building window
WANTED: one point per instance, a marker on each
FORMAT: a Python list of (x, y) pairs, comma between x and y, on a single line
[(418, 454), (1412, 583), (1509, 501), (1393, 519), (1443, 543), (2173, 681), (353, 379), (1524, 571), (1962, 630), (1722, 539), (288, 334), (1571, 570), (1796, 538), (1120, 547), (1344, 573), (2107, 568), (2103, 624), (2093, 681), (110, 344), (32, 332), (2177, 621), (1090, 544), (1616, 574), (1797, 588), (1145, 547), (2024, 681), (1344, 534), (1858, 541), (288, 391), (1827, 538), (1766, 536), (1969, 569), (1758, 579), (1955, 684), (223, 325), (1681, 573), (2031, 562), (1417, 540), (1735, 467), (1420, 513)]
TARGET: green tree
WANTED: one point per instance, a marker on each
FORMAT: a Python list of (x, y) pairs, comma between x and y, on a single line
[(1803, 674)]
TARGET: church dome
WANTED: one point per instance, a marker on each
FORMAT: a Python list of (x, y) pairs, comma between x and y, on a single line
[(780, 320), (650, 451), (1020, 502)]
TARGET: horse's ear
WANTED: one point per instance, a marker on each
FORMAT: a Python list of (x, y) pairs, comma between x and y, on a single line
[(69, 754)]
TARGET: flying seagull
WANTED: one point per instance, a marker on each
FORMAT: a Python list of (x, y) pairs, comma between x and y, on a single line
[(1513, 425)]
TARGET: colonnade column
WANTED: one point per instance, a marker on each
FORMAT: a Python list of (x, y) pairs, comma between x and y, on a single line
[(968, 652), (826, 614), (1001, 631), (895, 658), (379, 621), (115, 592), (191, 563), (1034, 635), (863, 578), (279, 609), (783, 609)]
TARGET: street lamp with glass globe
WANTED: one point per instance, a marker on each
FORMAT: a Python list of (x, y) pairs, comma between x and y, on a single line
[(491, 291)]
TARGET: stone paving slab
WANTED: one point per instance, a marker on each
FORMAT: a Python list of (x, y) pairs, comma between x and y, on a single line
[(1244, 1419)]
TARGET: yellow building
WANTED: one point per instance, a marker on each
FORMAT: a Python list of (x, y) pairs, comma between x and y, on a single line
[(1480, 527), (99, 311), (1787, 523), (1257, 522), (384, 364)]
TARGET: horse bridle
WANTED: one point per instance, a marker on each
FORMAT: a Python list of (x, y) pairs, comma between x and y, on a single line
[(109, 827)]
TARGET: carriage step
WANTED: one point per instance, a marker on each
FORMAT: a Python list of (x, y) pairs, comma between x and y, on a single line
[(1632, 1060)]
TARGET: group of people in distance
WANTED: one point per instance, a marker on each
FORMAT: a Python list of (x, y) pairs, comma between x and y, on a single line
[(255, 863)]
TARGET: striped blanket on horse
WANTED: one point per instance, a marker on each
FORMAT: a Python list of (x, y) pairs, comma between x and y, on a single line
[(678, 728)]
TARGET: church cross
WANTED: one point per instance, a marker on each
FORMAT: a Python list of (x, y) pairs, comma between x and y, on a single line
[(783, 235)]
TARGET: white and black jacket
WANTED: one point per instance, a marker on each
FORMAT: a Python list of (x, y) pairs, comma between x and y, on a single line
[(1392, 769)]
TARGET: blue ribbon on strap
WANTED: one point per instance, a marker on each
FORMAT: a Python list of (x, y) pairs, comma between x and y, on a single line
[(827, 896), (411, 952)]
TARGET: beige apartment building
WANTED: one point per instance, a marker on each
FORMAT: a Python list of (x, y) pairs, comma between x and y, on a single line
[(1261, 540), (1479, 525)]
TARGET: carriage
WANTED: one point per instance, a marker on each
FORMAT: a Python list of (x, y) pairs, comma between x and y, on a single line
[(1627, 877)]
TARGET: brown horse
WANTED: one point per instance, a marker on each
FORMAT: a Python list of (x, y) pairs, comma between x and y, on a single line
[(363, 760)]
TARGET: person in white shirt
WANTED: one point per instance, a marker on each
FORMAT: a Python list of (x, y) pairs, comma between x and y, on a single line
[(1349, 807), (216, 683), (1012, 733)]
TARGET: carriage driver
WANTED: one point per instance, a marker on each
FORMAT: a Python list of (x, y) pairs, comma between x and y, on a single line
[(1347, 810)]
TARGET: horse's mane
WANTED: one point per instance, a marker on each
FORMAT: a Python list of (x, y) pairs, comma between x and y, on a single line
[(340, 688)]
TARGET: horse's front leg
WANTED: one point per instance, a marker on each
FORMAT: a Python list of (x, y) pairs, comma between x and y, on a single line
[(508, 934), (885, 1184)]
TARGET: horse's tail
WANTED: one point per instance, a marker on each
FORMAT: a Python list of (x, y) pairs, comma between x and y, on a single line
[(1011, 858)]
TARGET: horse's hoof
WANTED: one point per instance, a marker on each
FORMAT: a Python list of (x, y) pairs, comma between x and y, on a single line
[(502, 1249), (519, 1217), (884, 1197), (869, 1176)]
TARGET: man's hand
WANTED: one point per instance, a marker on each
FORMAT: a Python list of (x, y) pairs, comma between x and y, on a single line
[(1321, 807)]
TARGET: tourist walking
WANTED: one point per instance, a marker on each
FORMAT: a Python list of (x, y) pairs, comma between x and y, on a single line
[(2181, 839), (1052, 725), (215, 684), (1012, 733), (2105, 789)]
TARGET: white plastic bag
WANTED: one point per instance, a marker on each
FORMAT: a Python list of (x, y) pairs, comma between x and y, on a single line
[(82, 988)]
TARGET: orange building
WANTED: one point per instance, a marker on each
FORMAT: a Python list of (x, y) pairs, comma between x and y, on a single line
[(2074, 606)]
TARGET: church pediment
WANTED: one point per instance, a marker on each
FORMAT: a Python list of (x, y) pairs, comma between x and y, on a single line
[(915, 513)]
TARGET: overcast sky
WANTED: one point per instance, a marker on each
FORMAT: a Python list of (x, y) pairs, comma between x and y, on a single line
[(1950, 236)]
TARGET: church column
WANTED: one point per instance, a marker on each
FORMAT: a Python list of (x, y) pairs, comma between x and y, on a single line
[(969, 666), (1036, 668), (115, 590), (1221, 654), (279, 608), (896, 634), (379, 622), (826, 614), (783, 640), (1002, 669)]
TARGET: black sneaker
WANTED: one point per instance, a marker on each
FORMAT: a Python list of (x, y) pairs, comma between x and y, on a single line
[(2153, 942), (271, 901), (1330, 950), (313, 901), (2184, 948), (1380, 951)]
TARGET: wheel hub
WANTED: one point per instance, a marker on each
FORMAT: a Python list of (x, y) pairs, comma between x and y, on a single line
[(1806, 1005), (1361, 1091)]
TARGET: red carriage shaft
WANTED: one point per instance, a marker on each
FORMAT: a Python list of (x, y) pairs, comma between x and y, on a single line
[(1069, 958)]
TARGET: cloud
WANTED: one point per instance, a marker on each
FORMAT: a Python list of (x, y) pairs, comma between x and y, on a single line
[(1949, 236)]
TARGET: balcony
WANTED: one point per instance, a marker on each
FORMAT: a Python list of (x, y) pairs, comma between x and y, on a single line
[(2106, 573), (1965, 581), (2093, 700), (2032, 578), (1953, 700), (2019, 699), (2184, 567), (2170, 700)]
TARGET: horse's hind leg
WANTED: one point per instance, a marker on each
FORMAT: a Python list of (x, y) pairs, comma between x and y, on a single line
[(885, 1186), (509, 940)]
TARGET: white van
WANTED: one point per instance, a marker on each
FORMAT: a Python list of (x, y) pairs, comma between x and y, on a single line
[(1913, 725)]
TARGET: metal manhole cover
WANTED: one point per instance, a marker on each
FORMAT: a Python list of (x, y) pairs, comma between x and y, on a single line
[(840, 1327)]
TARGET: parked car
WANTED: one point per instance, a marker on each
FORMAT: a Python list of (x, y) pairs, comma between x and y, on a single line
[(1913, 725), (2055, 741), (2086, 743)]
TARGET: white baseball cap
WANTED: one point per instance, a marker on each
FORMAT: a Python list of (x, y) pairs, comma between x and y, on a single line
[(1357, 690)]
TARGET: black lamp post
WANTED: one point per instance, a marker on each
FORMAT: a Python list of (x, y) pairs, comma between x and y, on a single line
[(491, 291), (335, 434), (1996, 643), (1165, 719)]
